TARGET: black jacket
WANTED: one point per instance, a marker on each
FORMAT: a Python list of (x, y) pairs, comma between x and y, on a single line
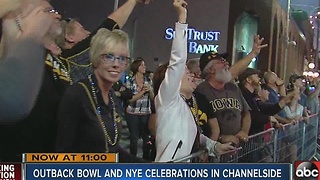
[(260, 112)]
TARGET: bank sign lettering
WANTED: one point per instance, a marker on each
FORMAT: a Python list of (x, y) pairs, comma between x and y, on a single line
[(194, 47)]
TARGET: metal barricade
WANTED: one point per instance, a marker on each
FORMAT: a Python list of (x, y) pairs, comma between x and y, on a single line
[(297, 141), (289, 143), (294, 142), (310, 138), (259, 148)]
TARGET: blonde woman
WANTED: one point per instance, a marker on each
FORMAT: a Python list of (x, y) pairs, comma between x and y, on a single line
[(89, 115)]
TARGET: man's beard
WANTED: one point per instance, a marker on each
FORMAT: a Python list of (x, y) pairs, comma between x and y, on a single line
[(223, 75), (54, 32), (256, 84)]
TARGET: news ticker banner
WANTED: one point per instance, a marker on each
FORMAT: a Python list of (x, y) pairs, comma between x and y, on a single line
[(93, 171), (101, 166)]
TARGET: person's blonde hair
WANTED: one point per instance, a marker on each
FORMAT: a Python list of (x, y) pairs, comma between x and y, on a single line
[(106, 41)]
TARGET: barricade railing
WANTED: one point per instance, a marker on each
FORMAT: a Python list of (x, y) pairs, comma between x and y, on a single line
[(293, 142), (259, 148), (310, 138), (290, 142), (298, 141)]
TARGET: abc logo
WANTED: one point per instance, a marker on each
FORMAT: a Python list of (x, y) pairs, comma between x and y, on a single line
[(307, 170)]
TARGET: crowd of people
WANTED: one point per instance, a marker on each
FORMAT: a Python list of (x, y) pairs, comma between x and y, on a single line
[(63, 91)]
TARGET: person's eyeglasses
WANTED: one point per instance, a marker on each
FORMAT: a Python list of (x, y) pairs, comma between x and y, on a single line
[(221, 60), (53, 11), (110, 58)]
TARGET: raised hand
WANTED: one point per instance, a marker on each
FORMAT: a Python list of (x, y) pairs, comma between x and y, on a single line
[(35, 24), (257, 45), (8, 6), (180, 6)]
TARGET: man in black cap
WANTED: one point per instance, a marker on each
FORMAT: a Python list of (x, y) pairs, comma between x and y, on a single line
[(225, 97), (250, 77), (261, 113), (249, 81)]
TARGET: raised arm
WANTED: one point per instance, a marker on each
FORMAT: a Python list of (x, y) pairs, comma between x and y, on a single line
[(243, 63), (8, 6), (22, 67), (20, 78), (170, 86), (121, 15)]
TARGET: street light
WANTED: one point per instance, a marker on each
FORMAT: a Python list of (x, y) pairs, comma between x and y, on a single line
[(311, 65)]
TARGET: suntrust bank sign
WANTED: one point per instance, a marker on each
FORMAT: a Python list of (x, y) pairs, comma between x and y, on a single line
[(198, 41)]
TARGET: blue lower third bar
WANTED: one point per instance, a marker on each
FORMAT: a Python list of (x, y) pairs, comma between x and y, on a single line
[(159, 171)]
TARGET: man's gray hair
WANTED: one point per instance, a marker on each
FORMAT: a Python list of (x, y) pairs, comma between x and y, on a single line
[(205, 74)]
